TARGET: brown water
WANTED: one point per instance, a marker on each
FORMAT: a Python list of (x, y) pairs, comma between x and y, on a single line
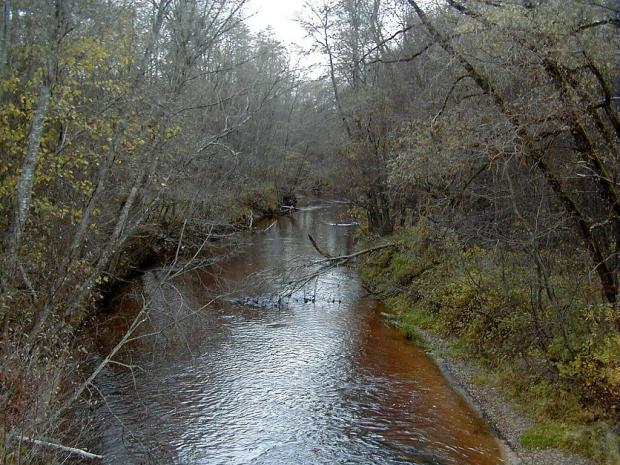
[(318, 379)]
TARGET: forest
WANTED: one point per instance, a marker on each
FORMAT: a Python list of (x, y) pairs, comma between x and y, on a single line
[(480, 139)]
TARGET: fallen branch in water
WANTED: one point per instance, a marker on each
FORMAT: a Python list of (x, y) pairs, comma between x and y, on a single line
[(52, 445), (270, 226), (318, 249), (305, 272), (288, 208), (342, 225), (344, 258)]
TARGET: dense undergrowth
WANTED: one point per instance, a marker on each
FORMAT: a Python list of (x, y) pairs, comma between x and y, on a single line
[(534, 320)]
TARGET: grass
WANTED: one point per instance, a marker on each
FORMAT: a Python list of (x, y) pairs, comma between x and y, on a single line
[(549, 435), (596, 441)]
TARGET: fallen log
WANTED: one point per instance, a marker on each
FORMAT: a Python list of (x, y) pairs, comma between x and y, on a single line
[(52, 445)]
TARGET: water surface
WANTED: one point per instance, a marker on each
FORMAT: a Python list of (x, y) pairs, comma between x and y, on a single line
[(314, 379)]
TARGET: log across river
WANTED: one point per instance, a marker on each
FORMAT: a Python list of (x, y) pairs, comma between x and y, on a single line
[(316, 379)]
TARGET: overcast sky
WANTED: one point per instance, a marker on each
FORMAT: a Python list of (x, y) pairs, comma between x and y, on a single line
[(280, 16)]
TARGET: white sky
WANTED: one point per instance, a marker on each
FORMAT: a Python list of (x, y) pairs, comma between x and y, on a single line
[(280, 16)]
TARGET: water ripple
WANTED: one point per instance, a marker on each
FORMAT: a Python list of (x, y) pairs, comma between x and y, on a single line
[(314, 380)]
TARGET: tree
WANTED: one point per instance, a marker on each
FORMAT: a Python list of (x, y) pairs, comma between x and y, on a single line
[(536, 152), (350, 34)]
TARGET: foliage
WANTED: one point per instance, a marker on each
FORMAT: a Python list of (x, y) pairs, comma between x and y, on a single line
[(596, 441), (560, 359), (486, 131)]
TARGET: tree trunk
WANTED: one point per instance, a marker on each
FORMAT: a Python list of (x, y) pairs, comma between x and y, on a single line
[(4, 38), (44, 309), (26, 179), (116, 240), (379, 215), (160, 13), (617, 101), (332, 75)]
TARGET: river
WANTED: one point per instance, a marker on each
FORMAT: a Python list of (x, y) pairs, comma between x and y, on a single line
[(224, 374)]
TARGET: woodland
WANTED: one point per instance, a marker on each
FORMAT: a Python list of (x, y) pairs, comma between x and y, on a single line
[(480, 136)]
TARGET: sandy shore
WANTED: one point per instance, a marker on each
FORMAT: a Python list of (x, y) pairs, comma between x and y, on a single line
[(494, 407)]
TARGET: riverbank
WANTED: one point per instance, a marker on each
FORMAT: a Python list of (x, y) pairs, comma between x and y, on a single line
[(494, 406), (188, 230), (551, 404)]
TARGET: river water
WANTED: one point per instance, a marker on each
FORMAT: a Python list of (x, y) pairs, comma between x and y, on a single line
[(224, 374)]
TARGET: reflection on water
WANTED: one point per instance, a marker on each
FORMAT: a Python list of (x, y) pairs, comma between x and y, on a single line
[(316, 380)]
